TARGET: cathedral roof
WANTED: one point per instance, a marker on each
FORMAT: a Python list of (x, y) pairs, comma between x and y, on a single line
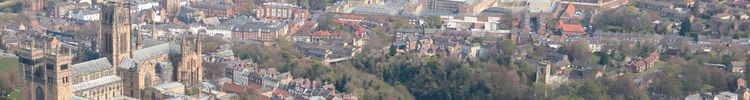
[(96, 82), (127, 63), (151, 52), (155, 48), (92, 66)]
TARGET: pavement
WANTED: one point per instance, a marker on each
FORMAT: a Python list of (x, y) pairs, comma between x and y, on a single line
[(3, 55)]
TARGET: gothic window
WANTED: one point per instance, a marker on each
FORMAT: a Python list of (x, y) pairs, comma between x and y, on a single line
[(153, 96), (39, 93)]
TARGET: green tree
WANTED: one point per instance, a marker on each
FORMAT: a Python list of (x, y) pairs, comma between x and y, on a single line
[(304, 3), (392, 51), (249, 9), (434, 21), (578, 50), (537, 92), (318, 4), (507, 21), (5, 86), (8, 9), (524, 79), (590, 90), (685, 27)]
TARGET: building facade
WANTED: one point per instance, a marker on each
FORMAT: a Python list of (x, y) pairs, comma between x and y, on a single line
[(277, 10), (123, 69), (222, 9), (260, 31)]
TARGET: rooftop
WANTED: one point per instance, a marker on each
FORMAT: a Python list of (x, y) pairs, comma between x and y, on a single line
[(162, 87), (92, 66), (96, 82)]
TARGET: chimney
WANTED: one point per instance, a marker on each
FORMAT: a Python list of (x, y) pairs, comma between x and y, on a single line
[(313, 84)]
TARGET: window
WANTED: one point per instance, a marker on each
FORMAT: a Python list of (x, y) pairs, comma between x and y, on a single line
[(64, 67), (50, 67)]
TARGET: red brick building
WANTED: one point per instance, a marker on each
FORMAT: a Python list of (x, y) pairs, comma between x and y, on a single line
[(569, 29), (171, 6), (222, 9), (33, 6), (275, 10)]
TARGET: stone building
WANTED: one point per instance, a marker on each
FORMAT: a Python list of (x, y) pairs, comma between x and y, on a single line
[(128, 64), (158, 92), (261, 31), (45, 68)]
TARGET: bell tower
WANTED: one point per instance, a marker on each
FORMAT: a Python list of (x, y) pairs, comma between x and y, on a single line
[(114, 33)]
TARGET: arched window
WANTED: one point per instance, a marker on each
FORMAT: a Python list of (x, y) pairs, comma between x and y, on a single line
[(153, 96), (39, 93)]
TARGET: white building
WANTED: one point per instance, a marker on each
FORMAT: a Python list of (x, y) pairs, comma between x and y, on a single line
[(473, 24), (240, 77), (226, 31), (146, 5), (84, 14)]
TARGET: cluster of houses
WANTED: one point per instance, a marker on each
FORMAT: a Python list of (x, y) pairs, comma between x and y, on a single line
[(175, 17), (236, 76), (640, 66)]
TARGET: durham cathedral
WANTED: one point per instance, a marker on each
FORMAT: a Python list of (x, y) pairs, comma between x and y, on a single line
[(128, 63)]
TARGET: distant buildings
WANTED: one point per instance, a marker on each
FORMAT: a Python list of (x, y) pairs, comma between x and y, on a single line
[(279, 10), (459, 6), (33, 6), (261, 31), (655, 5), (220, 9)]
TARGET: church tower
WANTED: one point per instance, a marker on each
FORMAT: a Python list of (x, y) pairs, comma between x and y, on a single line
[(189, 70), (114, 33), (45, 68)]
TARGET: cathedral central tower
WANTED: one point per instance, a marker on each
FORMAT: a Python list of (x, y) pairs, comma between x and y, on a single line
[(114, 33)]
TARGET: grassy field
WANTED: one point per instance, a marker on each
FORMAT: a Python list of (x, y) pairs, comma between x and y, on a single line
[(8, 64), (15, 95)]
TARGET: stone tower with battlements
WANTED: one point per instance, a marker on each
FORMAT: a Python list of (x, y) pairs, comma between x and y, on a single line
[(114, 33), (45, 68)]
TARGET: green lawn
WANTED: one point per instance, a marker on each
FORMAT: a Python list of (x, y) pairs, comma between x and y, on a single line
[(8, 64), (15, 95), (651, 11)]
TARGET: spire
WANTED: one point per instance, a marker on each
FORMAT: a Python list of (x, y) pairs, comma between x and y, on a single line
[(198, 44), (153, 31), (139, 41), (184, 44)]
